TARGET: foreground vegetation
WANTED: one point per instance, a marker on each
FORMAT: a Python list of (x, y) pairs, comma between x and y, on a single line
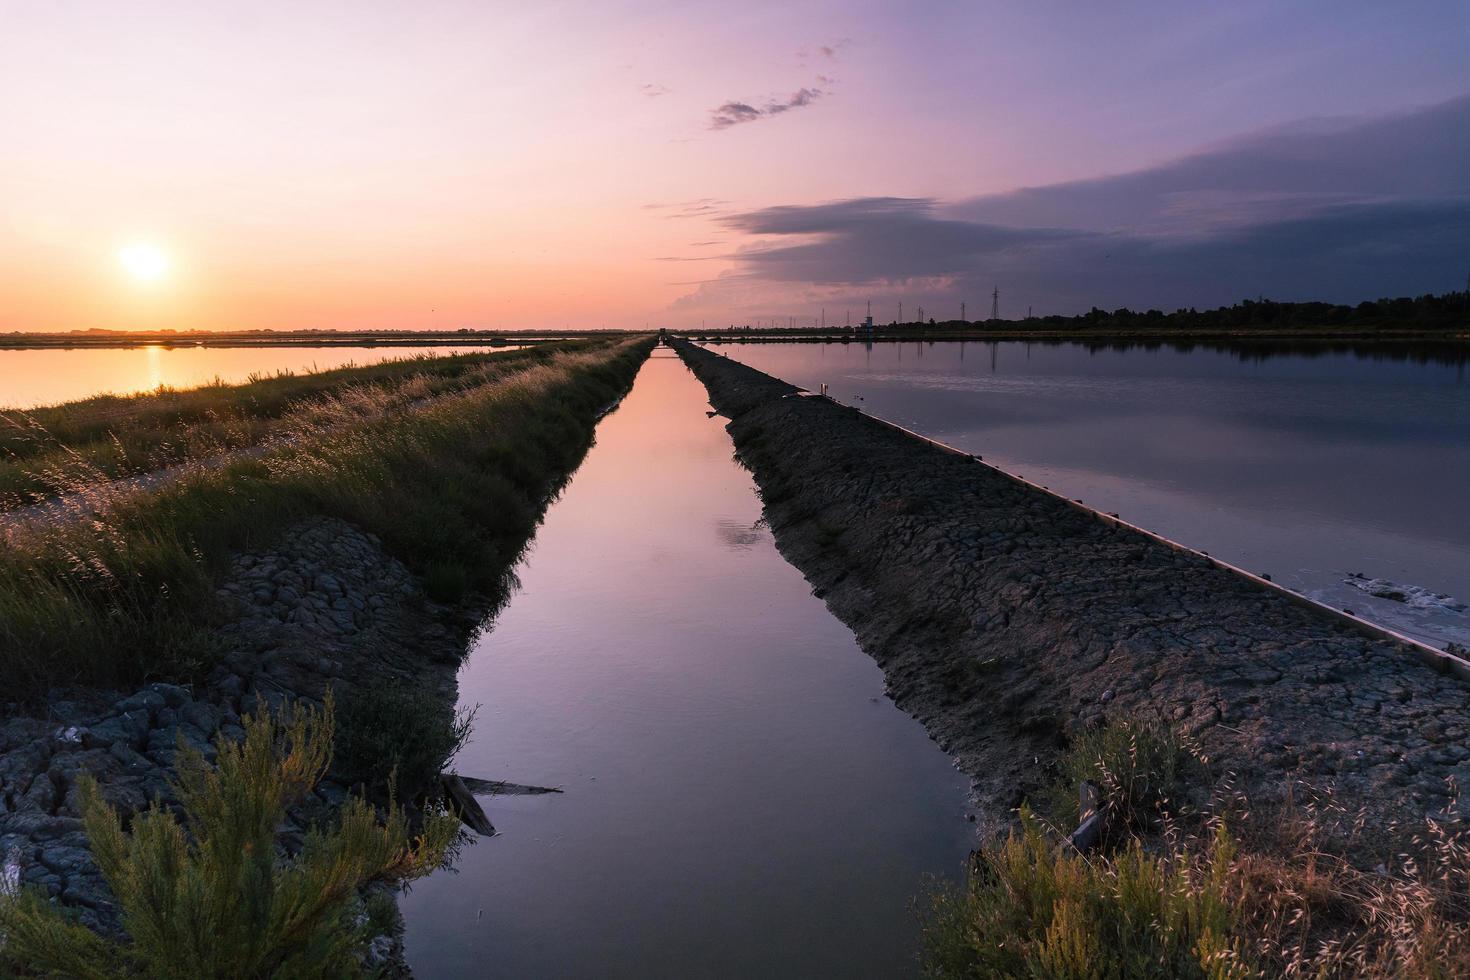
[(214, 897), (452, 482), (67, 448), (1214, 889)]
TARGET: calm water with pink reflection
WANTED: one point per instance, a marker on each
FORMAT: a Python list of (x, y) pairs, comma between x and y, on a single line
[(741, 800), (31, 378), (1305, 461)]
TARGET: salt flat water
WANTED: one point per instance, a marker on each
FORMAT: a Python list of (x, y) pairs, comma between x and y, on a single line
[(740, 799), (49, 376), (1310, 463)]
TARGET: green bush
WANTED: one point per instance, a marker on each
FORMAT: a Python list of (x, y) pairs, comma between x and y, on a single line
[(1033, 909), (213, 897), (398, 735)]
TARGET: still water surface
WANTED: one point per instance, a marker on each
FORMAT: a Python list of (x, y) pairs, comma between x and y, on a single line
[(31, 378), (741, 800), (1308, 466)]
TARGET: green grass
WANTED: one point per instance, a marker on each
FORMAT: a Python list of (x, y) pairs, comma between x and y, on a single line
[(211, 897), (452, 485)]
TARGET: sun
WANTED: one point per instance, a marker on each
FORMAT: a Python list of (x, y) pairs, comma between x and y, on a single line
[(144, 262)]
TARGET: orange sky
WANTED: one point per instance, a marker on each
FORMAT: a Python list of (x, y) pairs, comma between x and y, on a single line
[(447, 164)]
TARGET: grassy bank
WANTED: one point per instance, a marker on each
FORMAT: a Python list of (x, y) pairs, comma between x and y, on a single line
[(451, 481), (1193, 880), (66, 448)]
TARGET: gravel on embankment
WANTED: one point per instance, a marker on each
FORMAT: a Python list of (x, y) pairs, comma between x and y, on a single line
[(325, 607), (1005, 620)]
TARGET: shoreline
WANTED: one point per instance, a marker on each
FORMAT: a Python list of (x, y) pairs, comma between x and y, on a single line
[(323, 604), (1007, 620)]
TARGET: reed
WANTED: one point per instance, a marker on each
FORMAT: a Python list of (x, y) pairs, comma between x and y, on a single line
[(1304, 887), (121, 585), (46, 452)]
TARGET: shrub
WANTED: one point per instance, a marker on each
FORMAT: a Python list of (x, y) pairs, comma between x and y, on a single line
[(212, 897), (1304, 888), (402, 735), (1144, 769), (1030, 910)]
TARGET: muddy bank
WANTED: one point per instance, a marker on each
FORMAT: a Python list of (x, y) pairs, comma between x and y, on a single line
[(1005, 619)]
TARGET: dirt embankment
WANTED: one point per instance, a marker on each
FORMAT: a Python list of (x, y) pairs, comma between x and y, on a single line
[(323, 606), (1005, 619)]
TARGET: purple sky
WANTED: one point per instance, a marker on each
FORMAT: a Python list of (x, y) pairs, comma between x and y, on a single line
[(483, 164)]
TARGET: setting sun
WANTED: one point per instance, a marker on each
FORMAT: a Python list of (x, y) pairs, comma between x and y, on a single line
[(143, 262)]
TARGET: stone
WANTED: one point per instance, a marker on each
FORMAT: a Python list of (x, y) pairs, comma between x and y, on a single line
[(131, 760), (172, 694), (65, 861), (202, 715), (128, 728), (146, 701)]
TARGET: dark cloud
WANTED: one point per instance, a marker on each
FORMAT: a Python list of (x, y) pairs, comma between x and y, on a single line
[(1333, 210), (1289, 171), (732, 114), (653, 89), (801, 97), (735, 113)]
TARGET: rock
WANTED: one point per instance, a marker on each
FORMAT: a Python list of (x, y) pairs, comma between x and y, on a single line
[(65, 861), (89, 891), (231, 685), (172, 694), (379, 951), (145, 701), (202, 715), (41, 795), (132, 762)]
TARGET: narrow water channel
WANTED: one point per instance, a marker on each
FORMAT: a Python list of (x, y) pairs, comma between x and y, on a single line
[(740, 798)]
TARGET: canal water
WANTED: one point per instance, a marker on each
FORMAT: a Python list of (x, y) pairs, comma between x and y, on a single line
[(740, 798), (1310, 463)]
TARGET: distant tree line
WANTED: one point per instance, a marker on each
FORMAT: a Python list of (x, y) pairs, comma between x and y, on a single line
[(1429, 311)]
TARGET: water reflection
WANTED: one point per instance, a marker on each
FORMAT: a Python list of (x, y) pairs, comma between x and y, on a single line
[(31, 378), (1305, 461), (740, 800), (738, 536), (1452, 352)]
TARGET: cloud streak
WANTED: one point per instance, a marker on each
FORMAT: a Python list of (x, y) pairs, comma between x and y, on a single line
[(1336, 210), (736, 113)]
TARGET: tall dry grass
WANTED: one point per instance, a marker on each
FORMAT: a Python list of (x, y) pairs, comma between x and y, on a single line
[(66, 449), (122, 587), (1305, 887)]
